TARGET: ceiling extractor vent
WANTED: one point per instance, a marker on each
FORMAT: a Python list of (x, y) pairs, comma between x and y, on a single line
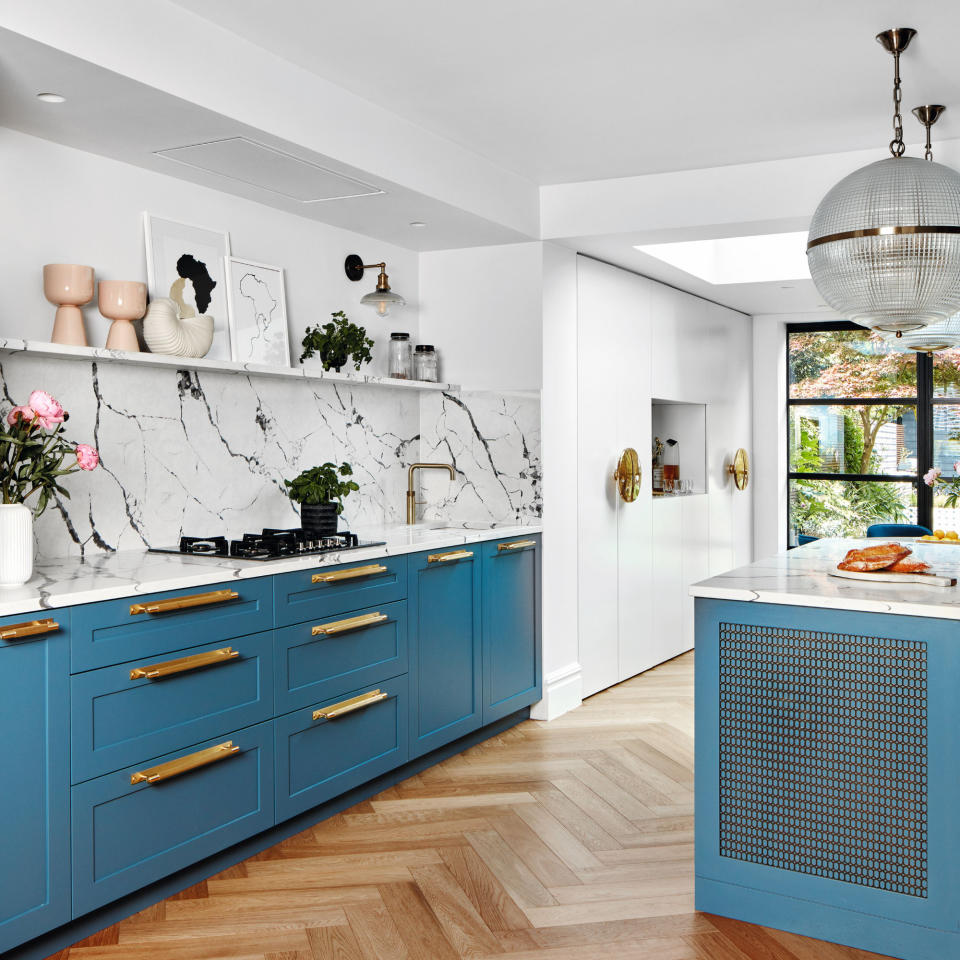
[(267, 168)]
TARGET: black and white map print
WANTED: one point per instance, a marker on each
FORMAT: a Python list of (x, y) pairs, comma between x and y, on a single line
[(258, 313)]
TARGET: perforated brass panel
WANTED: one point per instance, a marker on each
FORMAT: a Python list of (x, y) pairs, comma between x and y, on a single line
[(823, 755)]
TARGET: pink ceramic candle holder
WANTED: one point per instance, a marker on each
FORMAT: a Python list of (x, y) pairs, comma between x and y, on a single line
[(122, 301), (69, 286)]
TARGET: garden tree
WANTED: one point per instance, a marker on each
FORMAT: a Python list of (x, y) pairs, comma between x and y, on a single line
[(852, 364)]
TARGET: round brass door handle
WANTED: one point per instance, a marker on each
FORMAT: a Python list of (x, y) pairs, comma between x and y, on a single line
[(628, 475), (740, 469)]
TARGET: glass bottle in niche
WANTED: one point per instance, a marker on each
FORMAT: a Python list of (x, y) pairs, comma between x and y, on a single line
[(657, 465), (671, 467)]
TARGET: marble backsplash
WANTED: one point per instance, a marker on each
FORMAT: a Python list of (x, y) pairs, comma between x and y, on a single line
[(183, 452)]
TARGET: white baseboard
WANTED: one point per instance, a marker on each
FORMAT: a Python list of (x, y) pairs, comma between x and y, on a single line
[(562, 692)]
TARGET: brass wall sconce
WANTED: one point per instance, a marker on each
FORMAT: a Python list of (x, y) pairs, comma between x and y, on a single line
[(628, 475), (382, 299), (740, 469)]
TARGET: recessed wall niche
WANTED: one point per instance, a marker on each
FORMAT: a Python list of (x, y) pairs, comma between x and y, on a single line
[(687, 424)]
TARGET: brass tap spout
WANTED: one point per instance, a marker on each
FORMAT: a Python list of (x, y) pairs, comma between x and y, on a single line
[(411, 495)]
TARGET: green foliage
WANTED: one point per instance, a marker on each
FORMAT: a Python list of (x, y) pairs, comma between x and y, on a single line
[(843, 508), (335, 342), (322, 485)]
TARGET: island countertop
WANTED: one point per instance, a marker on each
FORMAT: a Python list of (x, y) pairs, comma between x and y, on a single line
[(129, 573), (801, 577)]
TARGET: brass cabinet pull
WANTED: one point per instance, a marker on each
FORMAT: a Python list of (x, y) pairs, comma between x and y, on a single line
[(348, 706), (739, 469), (14, 631), (628, 475), (446, 557), (184, 764), (516, 545), (351, 623), (350, 574), (169, 667), (183, 603)]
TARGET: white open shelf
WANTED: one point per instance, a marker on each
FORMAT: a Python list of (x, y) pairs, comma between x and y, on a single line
[(9, 348)]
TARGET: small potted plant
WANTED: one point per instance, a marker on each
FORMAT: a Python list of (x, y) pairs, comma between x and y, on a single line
[(320, 492), (337, 341), (34, 455)]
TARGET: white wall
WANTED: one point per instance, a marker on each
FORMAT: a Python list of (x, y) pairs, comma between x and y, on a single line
[(770, 427), (482, 309), (67, 206)]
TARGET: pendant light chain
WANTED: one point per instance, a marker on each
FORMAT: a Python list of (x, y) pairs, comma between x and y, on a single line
[(897, 146)]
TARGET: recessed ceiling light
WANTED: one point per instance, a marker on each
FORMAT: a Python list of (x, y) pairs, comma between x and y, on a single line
[(786, 286), (761, 259), (417, 223), (51, 98)]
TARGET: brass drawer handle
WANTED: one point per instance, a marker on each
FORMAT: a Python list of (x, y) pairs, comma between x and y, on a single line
[(351, 574), (516, 545), (184, 764), (348, 706), (169, 667), (351, 623), (31, 628), (183, 603), (446, 557)]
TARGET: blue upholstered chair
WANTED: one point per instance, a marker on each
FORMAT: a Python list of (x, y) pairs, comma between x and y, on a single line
[(897, 530), (803, 538)]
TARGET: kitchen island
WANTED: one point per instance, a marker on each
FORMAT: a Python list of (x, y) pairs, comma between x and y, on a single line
[(828, 782)]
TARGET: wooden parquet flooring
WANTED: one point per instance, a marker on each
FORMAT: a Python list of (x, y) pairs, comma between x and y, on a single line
[(571, 840)]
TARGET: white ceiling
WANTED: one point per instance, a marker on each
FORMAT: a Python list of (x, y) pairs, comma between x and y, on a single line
[(571, 91)]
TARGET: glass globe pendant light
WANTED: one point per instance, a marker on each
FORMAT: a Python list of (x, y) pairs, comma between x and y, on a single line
[(943, 335), (884, 244)]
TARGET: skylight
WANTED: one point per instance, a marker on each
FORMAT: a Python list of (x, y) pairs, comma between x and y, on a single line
[(764, 259)]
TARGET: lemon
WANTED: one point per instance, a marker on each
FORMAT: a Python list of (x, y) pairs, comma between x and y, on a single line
[(938, 534), (952, 535)]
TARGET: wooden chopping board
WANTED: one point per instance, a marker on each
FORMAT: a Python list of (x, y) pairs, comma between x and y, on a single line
[(883, 576)]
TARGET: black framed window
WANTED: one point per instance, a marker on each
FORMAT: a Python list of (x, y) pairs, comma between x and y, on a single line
[(860, 431)]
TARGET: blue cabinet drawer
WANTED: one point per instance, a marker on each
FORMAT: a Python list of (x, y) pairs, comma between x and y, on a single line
[(118, 631), (320, 659), (319, 758), (35, 773), (127, 835), (511, 625), (147, 708), (328, 591)]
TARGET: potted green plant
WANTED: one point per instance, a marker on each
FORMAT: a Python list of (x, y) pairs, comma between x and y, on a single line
[(320, 492), (336, 341)]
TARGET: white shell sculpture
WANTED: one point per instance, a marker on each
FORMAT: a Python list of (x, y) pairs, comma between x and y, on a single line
[(166, 332)]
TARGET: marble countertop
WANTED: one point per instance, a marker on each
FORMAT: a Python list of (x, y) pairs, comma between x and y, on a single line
[(801, 578), (129, 573)]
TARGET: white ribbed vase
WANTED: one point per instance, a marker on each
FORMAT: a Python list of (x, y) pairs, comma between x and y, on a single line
[(16, 544)]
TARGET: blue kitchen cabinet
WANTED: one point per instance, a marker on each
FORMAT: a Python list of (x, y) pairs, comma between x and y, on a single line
[(35, 761), (511, 626), (443, 601)]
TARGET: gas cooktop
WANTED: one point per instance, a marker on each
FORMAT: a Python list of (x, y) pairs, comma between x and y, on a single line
[(268, 545)]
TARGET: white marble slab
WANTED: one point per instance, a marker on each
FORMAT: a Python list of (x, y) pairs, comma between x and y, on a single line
[(800, 578), (128, 573)]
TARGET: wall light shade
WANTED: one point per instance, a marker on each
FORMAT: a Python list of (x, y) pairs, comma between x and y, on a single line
[(383, 300), (884, 245)]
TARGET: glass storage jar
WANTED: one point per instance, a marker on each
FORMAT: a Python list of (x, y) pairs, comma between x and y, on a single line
[(425, 363), (401, 356)]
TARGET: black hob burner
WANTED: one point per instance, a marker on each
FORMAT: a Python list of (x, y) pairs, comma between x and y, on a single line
[(270, 544)]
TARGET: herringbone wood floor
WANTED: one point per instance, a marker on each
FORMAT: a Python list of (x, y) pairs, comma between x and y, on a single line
[(564, 841)]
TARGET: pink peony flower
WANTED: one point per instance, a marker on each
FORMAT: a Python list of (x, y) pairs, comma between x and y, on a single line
[(87, 457), (48, 410), (19, 413), (931, 476)]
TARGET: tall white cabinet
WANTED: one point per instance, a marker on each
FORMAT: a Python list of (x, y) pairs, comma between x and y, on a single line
[(640, 341)]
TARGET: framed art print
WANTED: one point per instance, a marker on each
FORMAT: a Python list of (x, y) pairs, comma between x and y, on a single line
[(185, 264), (257, 307)]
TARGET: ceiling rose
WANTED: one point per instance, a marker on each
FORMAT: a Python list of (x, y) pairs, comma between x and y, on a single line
[(884, 243)]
